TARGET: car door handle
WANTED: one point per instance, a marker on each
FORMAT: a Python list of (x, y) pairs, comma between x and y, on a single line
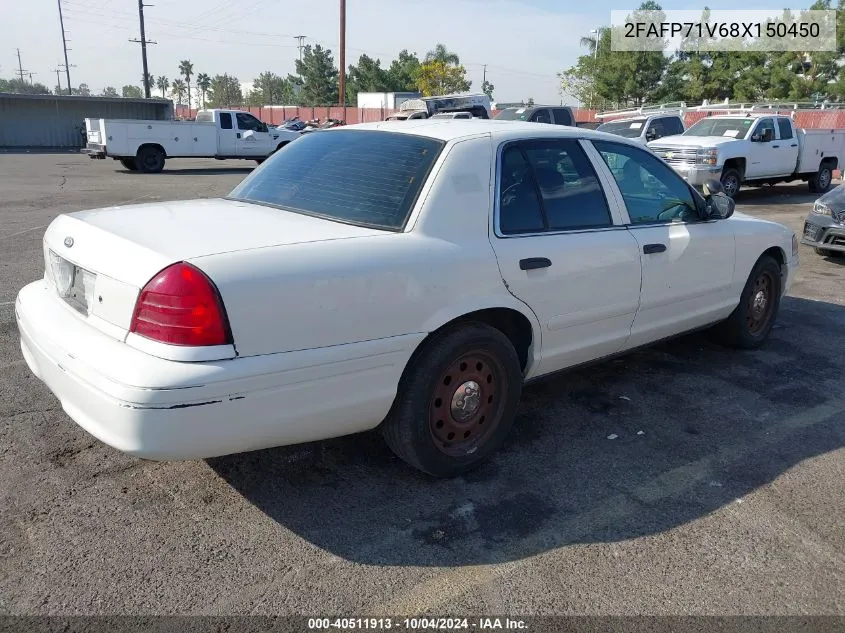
[(649, 249), (775, 145), (534, 262), (794, 145), (238, 134)]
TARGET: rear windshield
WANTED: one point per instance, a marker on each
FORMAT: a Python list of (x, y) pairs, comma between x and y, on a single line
[(628, 129), (363, 177)]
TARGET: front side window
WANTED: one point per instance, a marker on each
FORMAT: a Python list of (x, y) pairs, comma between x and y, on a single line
[(762, 127), (549, 185), (541, 116), (562, 116), (363, 177), (651, 190), (248, 122)]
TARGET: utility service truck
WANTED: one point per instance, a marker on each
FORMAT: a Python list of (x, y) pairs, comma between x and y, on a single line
[(753, 145), (646, 123), (145, 145)]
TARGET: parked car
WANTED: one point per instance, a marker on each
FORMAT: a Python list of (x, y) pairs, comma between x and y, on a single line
[(754, 148), (558, 115), (824, 228), (314, 301), (645, 128), (146, 145)]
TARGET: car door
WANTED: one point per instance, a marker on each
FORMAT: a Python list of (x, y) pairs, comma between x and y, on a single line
[(786, 147), (761, 159), (227, 142), (542, 115), (687, 263), (256, 144), (563, 250)]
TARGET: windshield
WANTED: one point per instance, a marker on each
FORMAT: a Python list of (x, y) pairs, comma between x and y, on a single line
[(628, 129), (511, 114), (714, 126), (363, 177)]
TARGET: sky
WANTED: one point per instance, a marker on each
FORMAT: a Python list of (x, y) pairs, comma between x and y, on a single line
[(524, 43)]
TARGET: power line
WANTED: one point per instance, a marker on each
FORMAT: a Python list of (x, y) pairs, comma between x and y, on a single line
[(64, 47)]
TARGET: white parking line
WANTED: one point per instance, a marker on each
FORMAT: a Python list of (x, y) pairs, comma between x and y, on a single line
[(34, 228)]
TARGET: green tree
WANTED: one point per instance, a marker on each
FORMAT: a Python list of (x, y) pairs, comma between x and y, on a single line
[(163, 83), (403, 72), (23, 87), (203, 84), (186, 69), (225, 90), (488, 88), (319, 76), (438, 78), (178, 90), (109, 91), (366, 76), (131, 92), (83, 90), (442, 54), (270, 89)]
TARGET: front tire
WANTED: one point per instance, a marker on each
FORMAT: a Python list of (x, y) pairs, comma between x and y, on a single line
[(129, 163), (751, 322), (731, 180), (456, 401)]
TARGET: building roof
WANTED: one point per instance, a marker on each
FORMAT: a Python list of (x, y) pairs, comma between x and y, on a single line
[(78, 98)]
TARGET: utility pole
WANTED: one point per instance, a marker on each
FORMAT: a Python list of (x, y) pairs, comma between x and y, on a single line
[(58, 79), (64, 46), (300, 46), (485, 75), (30, 78), (21, 71), (342, 83), (143, 42)]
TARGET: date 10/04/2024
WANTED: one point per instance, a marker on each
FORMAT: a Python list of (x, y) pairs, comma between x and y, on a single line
[(417, 624)]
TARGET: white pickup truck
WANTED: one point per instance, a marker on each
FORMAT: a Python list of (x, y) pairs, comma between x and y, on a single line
[(753, 148), (145, 145)]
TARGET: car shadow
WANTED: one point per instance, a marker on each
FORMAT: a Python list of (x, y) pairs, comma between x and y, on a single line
[(627, 448), (191, 171), (792, 193)]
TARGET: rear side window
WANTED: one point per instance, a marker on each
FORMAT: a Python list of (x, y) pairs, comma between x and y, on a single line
[(785, 129), (673, 125), (563, 116), (550, 185), (362, 177), (225, 121)]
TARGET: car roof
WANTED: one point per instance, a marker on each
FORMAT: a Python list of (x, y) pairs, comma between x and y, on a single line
[(458, 129)]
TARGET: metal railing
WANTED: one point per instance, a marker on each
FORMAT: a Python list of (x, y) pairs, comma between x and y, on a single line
[(674, 107)]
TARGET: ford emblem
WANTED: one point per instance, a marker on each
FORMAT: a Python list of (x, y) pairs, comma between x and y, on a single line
[(68, 242)]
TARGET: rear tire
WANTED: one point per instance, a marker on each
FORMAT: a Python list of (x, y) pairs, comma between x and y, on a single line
[(150, 160), (732, 181), (751, 322), (456, 401), (820, 182)]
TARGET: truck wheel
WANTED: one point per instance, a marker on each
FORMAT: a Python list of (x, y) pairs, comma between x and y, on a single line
[(820, 183), (456, 401), (129, 163), (731, 181), (750, 323), (150, 159)]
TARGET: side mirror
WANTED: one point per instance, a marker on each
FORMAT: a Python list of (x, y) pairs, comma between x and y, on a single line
[(756, 138), (651, 135), (718, 205)]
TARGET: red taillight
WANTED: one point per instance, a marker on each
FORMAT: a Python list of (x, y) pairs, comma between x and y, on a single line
[(181, 306)]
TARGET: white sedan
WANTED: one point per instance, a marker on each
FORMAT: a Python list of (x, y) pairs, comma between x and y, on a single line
[(409, 277)]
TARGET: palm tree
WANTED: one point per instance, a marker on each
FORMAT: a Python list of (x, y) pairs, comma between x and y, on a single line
[(203, 83), (442, 54), (149, 78), (162, 83), (178, 90), (186, 68)]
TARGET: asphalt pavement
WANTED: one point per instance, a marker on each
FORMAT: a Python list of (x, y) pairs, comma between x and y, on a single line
[(721, 492)]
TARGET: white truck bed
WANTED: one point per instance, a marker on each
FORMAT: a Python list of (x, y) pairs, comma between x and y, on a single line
[(179, 139), (816, 144)]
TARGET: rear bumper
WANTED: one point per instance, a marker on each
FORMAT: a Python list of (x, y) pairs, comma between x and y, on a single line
[(165, 410), (94, 150), (822, 232)]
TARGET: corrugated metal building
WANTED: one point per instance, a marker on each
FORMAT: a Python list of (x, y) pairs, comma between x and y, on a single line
[(55, 121)]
